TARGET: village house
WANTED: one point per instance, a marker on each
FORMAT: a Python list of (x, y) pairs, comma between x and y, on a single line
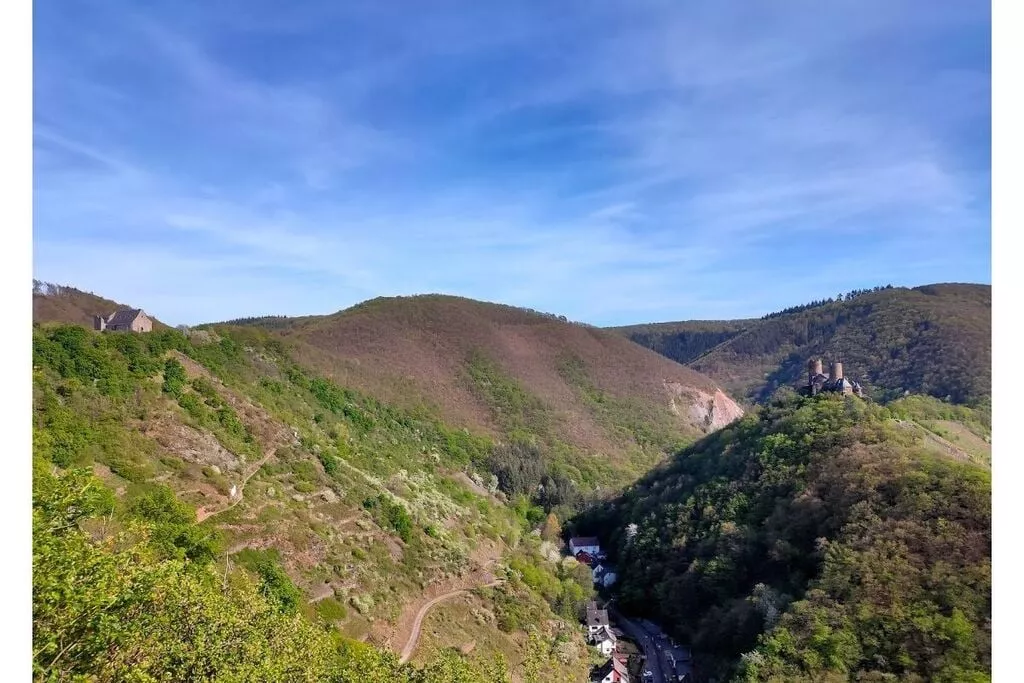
[(127, 320), (596, 619), (604, 640), (584, 544), (584, 557), (612, 671)]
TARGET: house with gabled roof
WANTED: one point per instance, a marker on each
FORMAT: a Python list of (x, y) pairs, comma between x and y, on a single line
[(127, 320), (596, 619), (604, 640), (586, 544), (612, 671)]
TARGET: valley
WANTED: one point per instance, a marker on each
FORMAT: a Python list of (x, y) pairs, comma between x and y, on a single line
[(400, 474)]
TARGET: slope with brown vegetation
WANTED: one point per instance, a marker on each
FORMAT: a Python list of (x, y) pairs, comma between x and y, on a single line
[(65, 304), (933, 339), (350, 511), (510, 372)]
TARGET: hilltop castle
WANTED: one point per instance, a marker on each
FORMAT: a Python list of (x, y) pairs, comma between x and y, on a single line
[(818, 382)]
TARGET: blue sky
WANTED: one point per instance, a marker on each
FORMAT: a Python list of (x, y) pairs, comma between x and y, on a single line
[(612, 161)]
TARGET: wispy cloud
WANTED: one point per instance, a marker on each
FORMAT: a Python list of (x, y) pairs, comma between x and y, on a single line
[(616, 162)]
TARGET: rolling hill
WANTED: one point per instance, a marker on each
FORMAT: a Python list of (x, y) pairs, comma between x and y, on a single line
[(65, 304), (273, 505), (350, 468), (607, 407), (933, 339)]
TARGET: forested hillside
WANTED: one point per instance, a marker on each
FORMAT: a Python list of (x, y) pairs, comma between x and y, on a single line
[(933, 340), (685, 342), (816, 539), (240, 484)]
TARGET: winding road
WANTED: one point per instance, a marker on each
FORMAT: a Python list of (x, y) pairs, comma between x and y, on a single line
[(417, 624)]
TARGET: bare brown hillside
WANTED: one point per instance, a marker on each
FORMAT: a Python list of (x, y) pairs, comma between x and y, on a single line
[(477, 363)]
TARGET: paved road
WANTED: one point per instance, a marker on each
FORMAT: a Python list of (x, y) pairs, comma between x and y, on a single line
[(663, 646), (655, 644), (647, 643)]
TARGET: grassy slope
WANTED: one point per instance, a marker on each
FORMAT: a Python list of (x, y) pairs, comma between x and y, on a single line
[(934, 339), (366, 509), (816, 539), (509, 372)]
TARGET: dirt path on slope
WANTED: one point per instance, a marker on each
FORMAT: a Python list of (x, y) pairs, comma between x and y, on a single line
[(203, 514), (267, 430), (417, 624)]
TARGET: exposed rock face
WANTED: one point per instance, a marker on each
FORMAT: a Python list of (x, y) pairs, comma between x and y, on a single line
[(710, 411), (192, 445)]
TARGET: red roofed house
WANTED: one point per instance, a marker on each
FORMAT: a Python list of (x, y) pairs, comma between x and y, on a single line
[(612, 671)]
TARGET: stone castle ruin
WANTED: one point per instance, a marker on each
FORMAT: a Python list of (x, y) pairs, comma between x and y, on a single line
[(834, 382)]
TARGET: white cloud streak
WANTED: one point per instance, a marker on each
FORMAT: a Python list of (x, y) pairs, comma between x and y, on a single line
[(709, 138)]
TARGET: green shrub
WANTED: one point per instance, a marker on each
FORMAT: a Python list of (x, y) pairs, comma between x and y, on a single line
[(174, 377), (331, 609), (193, 406)]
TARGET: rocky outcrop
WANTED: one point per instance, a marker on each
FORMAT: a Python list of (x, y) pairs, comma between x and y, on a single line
[(707, 410)]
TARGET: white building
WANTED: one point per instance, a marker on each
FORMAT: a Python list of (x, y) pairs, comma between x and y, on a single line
[(605, 641), (584, 544)]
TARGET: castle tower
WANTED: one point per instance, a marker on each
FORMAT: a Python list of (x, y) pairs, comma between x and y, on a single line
[(813, 369), (837, 370)]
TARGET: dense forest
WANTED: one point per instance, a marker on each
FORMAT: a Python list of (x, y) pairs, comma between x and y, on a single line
[(812, 540), (933, 340), (685, 342)]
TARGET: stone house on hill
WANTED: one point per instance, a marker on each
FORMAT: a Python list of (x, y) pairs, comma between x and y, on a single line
[(127, 320), (834, 382)]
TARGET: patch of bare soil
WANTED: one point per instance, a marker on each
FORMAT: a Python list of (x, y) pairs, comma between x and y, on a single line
[(324, 591), (191, 445), (268, 431)]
